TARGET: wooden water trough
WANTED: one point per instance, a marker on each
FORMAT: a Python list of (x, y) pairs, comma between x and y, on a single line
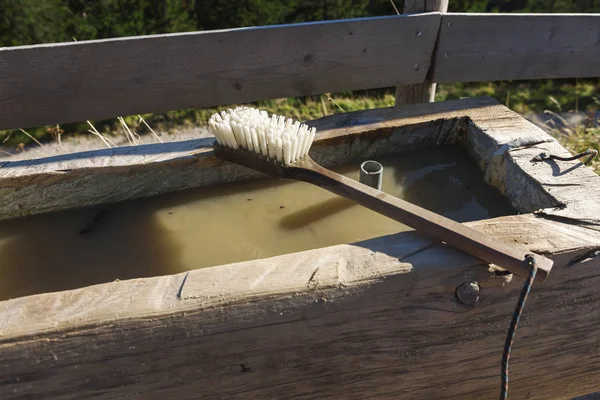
[(384, 318), (379, 318)]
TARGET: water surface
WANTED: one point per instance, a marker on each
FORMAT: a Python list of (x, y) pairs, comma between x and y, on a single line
[(228, 223)]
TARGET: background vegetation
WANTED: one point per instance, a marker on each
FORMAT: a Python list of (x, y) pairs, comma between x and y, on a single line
[(24, 22)]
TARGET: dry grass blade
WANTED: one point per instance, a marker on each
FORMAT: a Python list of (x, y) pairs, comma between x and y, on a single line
[(142, 120), (56, 133), (21, 146), (131, 137), (31, 137), (7, 137), (325, 113), (95, 132), (333, 101)]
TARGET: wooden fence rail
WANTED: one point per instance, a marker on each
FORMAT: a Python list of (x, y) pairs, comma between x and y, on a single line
[(71, 82), (108, 78), (490, 47)]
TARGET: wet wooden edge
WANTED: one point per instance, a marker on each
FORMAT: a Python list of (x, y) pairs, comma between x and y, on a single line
[(375, 318)]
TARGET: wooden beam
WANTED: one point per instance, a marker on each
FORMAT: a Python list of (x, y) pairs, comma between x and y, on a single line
[(423, 92), (77, 81), (489, 47), (375, 319), (492, 133), (112, 175)]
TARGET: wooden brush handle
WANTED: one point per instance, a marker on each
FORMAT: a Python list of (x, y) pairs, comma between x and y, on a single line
[(458, 235)]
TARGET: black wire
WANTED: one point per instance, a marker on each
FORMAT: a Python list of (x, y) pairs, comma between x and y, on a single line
[(513, 325), (592, 153)]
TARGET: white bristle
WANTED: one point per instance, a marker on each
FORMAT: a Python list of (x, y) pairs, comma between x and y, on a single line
[(271, 144), (248, 137), (279, 148), (255, 140), (275, 137), (261, 141)]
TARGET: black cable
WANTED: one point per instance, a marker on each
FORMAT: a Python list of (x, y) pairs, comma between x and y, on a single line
[(513, 325), (592, 153)]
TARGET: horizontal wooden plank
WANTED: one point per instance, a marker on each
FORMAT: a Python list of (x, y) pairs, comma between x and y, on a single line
[(376, 319), (70, 82), (104, 176), (495, 136), (489, 47)]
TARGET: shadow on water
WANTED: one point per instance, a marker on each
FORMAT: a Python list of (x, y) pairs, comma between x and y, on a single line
[(316, 212)]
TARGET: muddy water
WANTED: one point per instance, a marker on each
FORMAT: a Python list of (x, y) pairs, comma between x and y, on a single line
[(227, 223)]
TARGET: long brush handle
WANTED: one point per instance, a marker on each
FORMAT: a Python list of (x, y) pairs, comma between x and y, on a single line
[(453, 233)]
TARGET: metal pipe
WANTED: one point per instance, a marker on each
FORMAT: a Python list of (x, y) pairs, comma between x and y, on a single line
[(371, 174)]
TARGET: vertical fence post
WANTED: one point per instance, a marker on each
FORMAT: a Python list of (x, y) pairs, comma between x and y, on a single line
[(420, 92)]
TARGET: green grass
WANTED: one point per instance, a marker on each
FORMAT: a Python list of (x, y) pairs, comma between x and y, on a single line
[(531, 96), (299, 108), (523, 97)]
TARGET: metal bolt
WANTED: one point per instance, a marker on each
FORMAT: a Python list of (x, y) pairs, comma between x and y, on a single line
[(416, 67), (468, 293), (445, 55), (449, 23), (419, 33)]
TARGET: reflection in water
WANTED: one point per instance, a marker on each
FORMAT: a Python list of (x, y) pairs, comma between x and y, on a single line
[(228, 223)]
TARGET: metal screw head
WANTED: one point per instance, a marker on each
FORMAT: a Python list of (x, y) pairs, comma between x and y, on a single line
[(449, 24), (468, 293), (419, 33)]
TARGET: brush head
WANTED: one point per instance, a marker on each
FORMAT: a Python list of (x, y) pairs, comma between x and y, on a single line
[(278, 139)]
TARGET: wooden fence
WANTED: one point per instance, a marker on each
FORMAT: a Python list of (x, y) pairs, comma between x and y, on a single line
[(71, 82)]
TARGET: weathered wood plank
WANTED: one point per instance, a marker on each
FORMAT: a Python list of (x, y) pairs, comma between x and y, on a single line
[(563, 181), (77, 81), (111, 175), (377, 318), (488, 47), (487, 129), (506, 144), (421, 92), (350, 321)]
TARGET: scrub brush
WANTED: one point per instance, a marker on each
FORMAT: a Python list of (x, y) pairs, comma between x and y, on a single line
[(278, 146)]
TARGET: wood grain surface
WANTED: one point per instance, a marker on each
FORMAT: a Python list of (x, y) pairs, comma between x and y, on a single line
[(421, 92), (488, 47), (494, 135), (110, 175), (78, 81), (377, 319), (70, 82)]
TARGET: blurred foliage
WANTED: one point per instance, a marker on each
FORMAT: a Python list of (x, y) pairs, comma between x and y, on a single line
[(24, 22)]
